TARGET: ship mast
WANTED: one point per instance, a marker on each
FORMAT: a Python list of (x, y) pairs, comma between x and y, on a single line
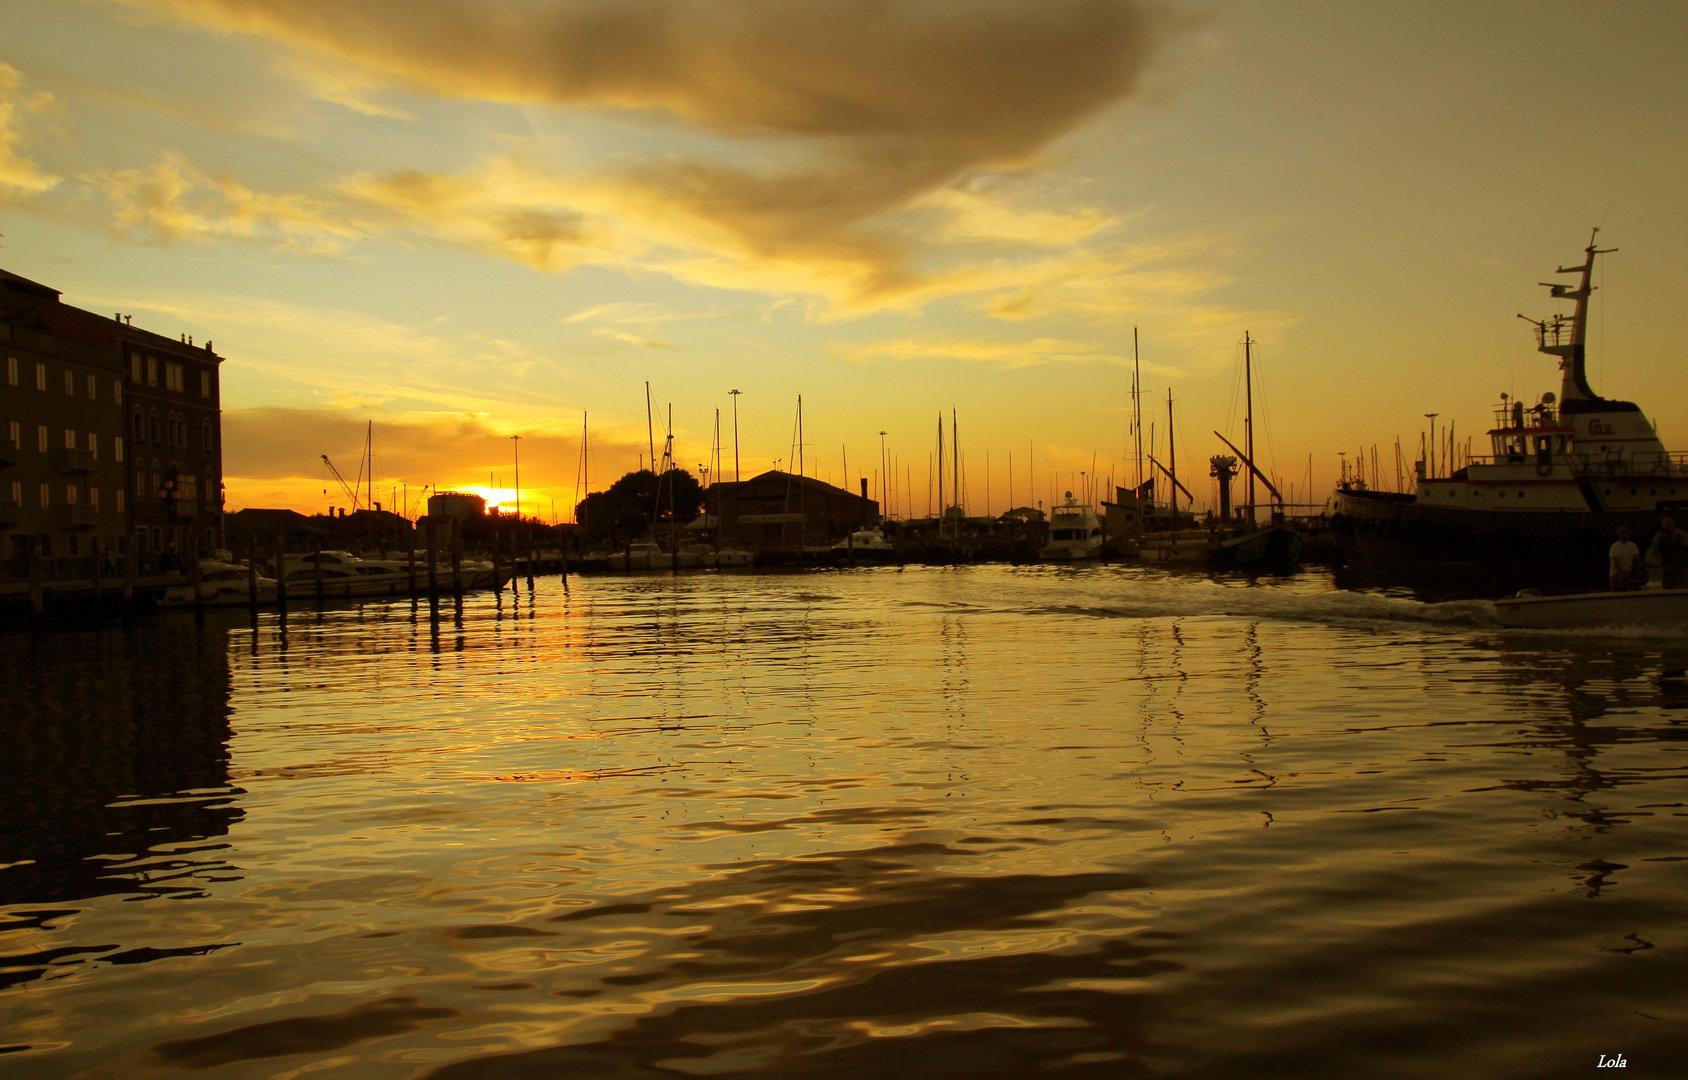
[(1248, 416), (1171, 455), (1567, 338)]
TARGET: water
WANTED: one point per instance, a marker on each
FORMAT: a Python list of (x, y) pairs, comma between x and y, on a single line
[(953, 823)]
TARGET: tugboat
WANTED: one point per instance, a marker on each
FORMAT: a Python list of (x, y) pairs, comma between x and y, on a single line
[(1563, 475)]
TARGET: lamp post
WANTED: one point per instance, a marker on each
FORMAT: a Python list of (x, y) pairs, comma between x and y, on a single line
[(736, 476), (884, 476), (516, 442)]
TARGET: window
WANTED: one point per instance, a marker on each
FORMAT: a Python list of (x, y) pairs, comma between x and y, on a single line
[(17, 492), (40, 376), (93, 388), (119, 497), (135, 366), (155, 432), (94, 497), (69, 383), (46, 496), (69, 439), (152, 371), (117, 448), (172, 376), (11, 371), (117, 392), (140, 431), (70, 494), (205, 384), (41, 437), (205, 435), (93, 445), (190, 489), (16, 435)]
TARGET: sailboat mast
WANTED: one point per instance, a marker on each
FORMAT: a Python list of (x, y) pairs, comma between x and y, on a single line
[(955, 456), (1137, 404), (1248, 417), (940, 476), (1171, 453)]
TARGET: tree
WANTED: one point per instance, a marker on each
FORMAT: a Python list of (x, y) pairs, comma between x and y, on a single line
[(637, 502)]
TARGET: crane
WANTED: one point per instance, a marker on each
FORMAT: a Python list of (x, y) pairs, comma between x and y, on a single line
[(347, 488)]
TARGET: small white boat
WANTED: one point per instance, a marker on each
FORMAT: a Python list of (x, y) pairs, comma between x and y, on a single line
[(868, 545), (641, 555), (1074, 532), (221, 584), (1645, 607), (345, 575)]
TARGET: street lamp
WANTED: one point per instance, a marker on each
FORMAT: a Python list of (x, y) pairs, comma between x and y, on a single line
[(884, 476), (736, 476), (516, 443)]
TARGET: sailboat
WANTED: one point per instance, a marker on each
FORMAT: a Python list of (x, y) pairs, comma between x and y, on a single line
[(1228, 541)]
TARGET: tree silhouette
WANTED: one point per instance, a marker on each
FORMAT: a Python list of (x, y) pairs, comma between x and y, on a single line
[(637, 502)]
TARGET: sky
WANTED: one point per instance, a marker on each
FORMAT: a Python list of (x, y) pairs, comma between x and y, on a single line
[(466, 220)]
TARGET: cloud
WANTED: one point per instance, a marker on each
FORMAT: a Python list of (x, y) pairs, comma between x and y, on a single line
[(172, 201), (854, 110), (1011, 354), (17, 172)]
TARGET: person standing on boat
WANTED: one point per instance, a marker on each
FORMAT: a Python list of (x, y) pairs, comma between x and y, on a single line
[(1623, 558), (1669, 552)]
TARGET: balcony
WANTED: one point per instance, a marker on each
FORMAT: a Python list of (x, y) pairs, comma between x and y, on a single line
[(71, 462), (76, 516)]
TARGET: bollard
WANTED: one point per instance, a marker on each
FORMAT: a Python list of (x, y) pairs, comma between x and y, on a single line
[(433, 562), (456, 558)]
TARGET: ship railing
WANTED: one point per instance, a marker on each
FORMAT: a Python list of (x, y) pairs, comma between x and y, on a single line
[(1588, 465), (1584, 466), (1555, 331), (1507, 418)]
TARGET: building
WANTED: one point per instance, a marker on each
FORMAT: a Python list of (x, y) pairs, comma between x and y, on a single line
[(782, 511), (63, 485), (176, 437), (112, 456), (456, 504)]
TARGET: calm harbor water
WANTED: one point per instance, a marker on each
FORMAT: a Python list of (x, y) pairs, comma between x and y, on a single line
[(952, 823)]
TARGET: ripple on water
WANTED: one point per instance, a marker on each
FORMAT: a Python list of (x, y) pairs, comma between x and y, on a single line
[(960, 822)]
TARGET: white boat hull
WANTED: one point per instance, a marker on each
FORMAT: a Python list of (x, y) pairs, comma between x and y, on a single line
[(1646, 607)]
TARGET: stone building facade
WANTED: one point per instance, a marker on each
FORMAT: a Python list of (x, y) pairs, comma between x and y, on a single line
[(63, 486), (176, 439), (110, 442)]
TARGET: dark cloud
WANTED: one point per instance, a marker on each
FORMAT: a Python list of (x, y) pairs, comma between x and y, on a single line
[(880, 101)]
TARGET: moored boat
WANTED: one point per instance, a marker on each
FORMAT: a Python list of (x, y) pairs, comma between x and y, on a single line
[(1563, 474), (1075, 532), (867, 544), (221, 584)]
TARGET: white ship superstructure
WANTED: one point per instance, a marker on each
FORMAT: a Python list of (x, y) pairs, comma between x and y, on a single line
[(1571, 454)]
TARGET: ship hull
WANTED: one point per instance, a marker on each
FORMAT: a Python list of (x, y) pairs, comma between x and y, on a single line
[(1384, 531), (1272, 549)]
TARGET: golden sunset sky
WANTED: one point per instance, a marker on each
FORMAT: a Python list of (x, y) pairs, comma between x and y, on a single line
[(467, 219)]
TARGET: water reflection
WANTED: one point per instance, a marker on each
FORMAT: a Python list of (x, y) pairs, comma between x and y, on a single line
[(115, 777), (963, 822)]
